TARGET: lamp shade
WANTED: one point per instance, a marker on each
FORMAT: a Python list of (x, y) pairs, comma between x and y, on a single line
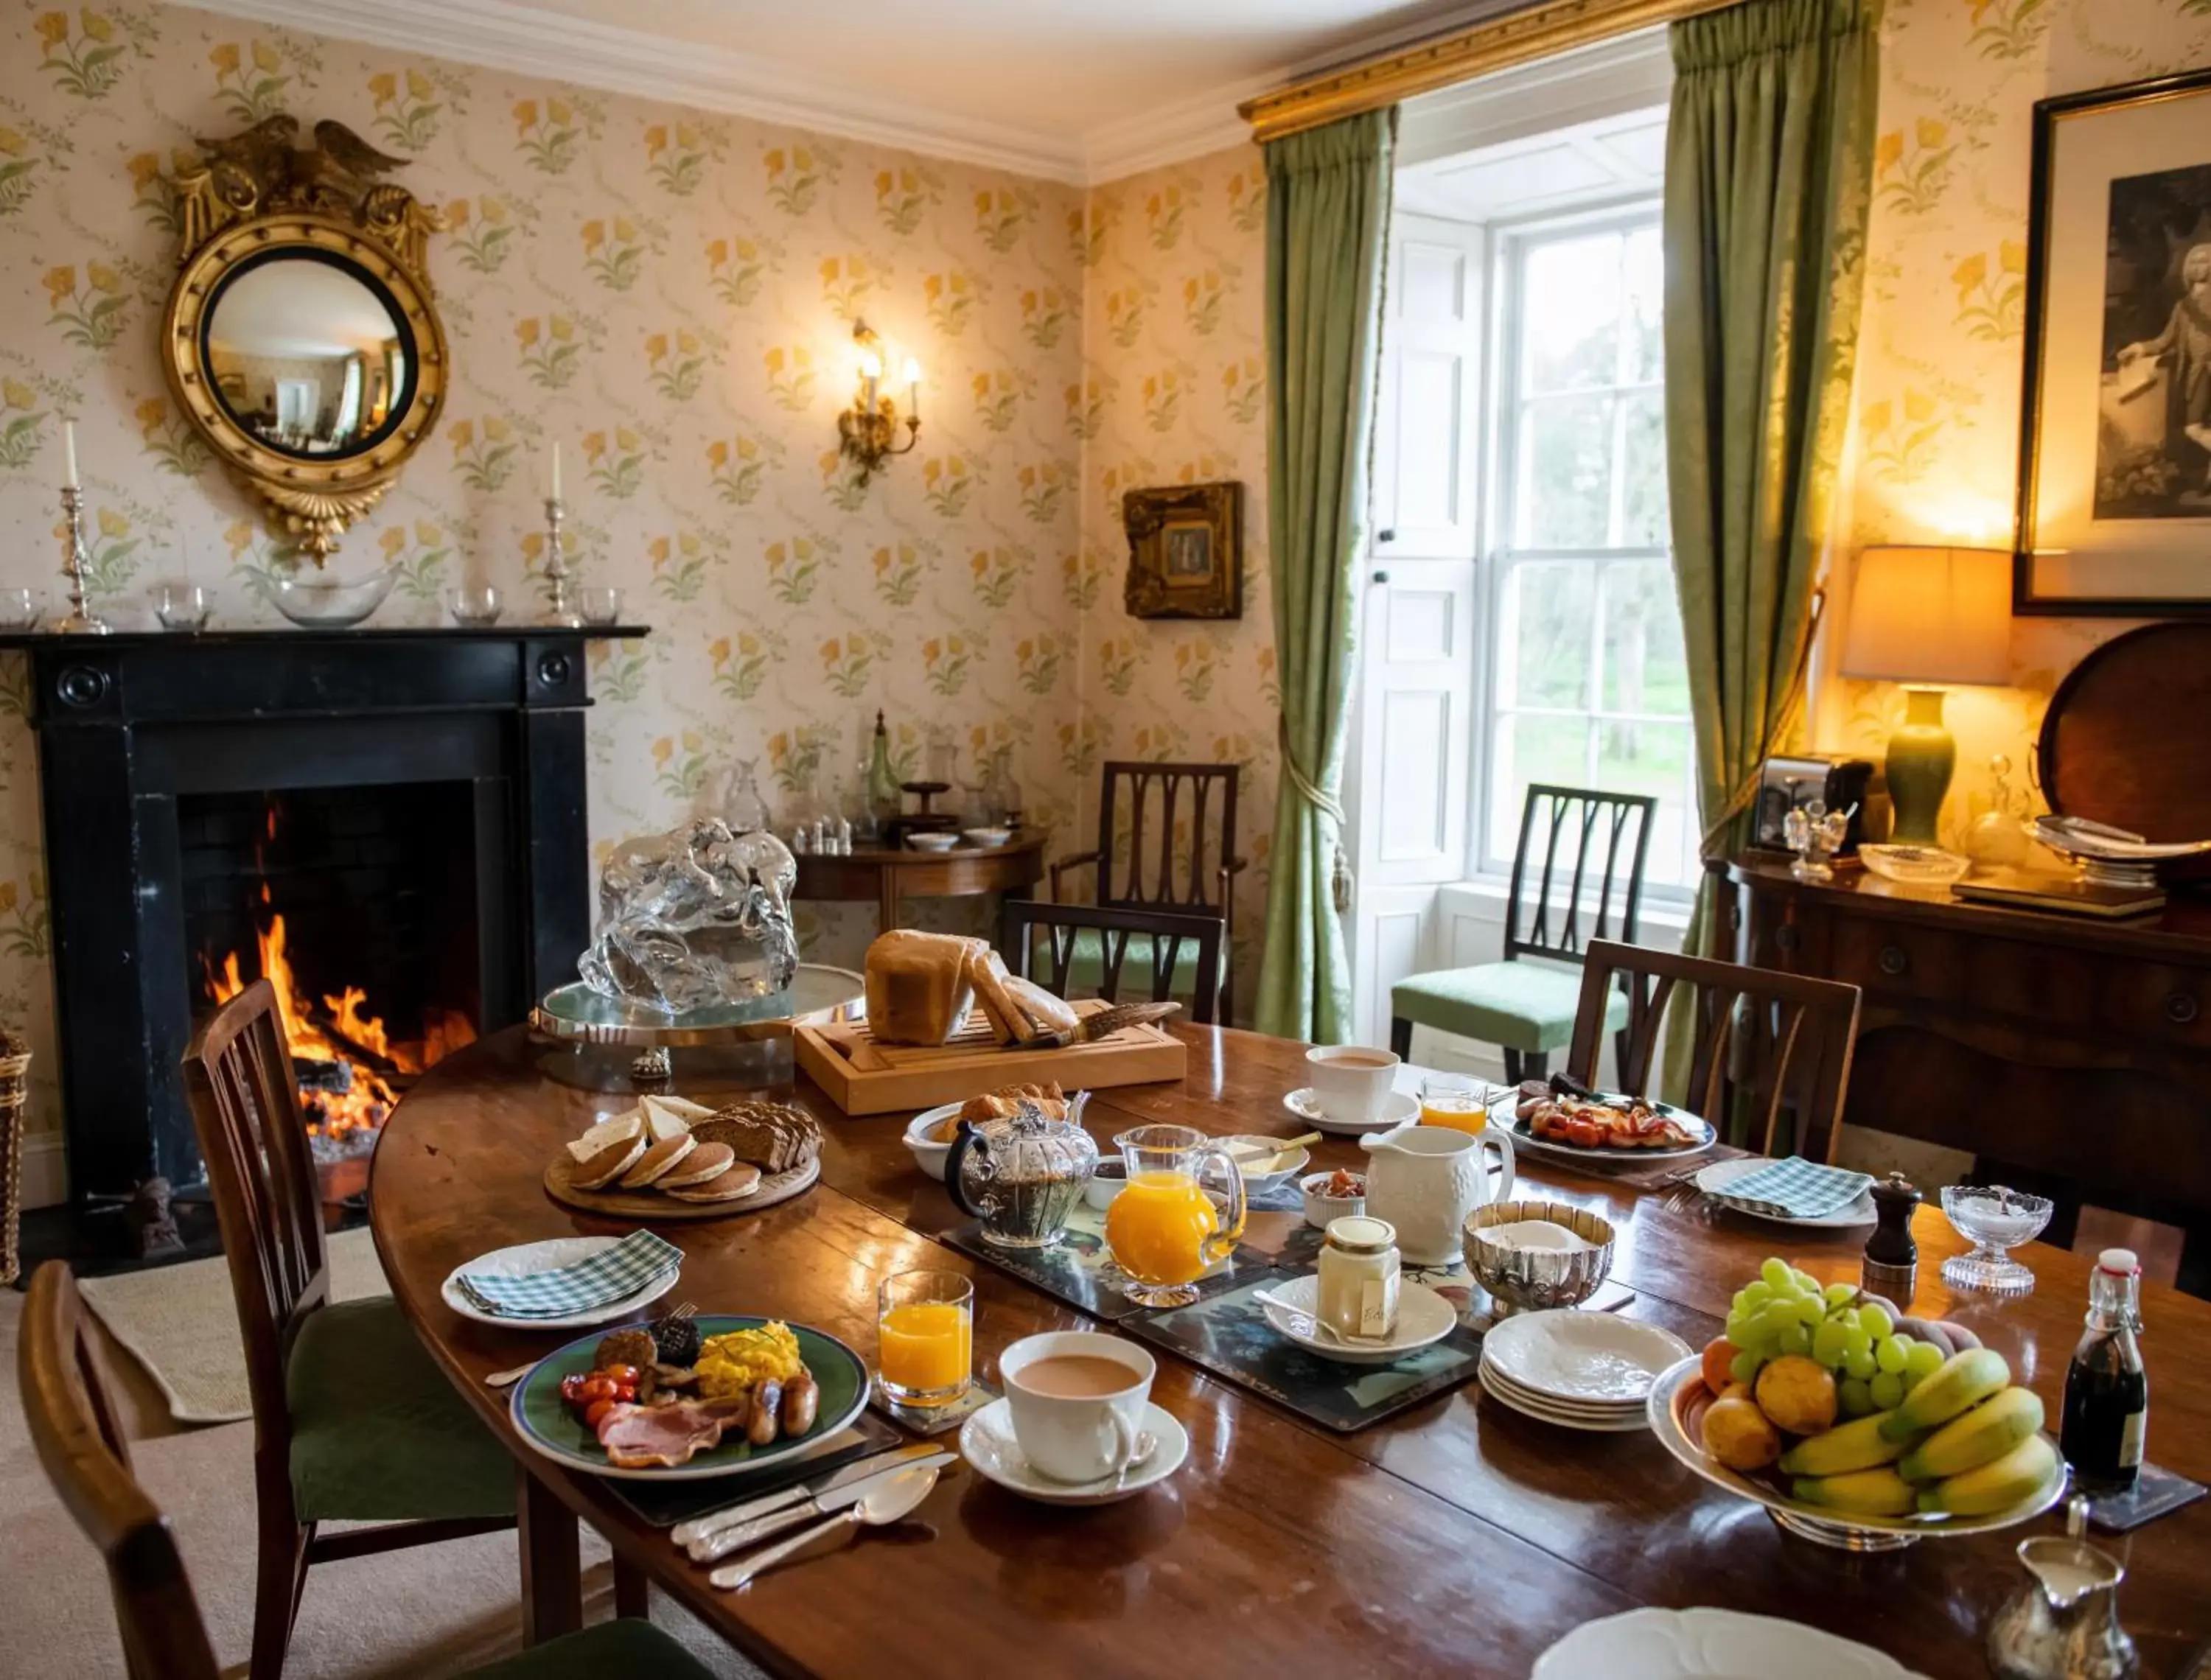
[(1931, 616)]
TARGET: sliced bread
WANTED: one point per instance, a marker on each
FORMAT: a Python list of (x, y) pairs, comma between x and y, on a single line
[(629, 1124)]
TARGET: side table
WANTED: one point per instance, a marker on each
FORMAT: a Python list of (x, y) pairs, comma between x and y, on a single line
[(890, 877)]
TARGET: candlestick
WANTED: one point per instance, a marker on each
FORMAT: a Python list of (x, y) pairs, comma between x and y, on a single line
[(558, 611), (79, 621), (69, 456)]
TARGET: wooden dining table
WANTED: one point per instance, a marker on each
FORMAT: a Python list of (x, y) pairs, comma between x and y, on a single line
[(1457, 1537)]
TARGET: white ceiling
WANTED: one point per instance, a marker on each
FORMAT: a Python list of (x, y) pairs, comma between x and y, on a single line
[(1566, 169), (1080, 90)]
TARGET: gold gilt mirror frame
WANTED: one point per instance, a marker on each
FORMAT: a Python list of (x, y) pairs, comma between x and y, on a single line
[(326, 262)]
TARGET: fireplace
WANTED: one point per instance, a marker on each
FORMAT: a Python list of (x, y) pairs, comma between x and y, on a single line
[(392, 822)]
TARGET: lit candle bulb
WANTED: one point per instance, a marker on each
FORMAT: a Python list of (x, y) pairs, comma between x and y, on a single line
[(69, 456), (556, 471)]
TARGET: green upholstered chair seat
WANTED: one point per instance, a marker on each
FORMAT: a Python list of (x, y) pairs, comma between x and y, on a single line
[(378, 1432), (1086, 968), (1521, 1005), (629, 1649)]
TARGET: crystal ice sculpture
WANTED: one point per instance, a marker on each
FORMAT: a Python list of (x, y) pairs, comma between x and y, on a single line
[(694, 919)]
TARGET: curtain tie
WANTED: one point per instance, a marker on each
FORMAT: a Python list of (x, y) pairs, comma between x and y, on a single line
[(1339, 875)]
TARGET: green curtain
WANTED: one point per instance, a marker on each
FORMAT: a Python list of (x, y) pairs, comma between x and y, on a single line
[(1769, 157), (1328, 217)]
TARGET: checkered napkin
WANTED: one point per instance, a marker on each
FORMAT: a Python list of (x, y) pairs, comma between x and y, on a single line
[(639, 1259), (1797, 1189)]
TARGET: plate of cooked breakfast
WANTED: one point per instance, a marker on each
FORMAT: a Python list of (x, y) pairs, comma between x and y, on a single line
[(671, 1158), (1562, 1118), (684, 1398)]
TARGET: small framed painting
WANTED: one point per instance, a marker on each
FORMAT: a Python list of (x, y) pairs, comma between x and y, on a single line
[(2114, 431), (1185, 552)]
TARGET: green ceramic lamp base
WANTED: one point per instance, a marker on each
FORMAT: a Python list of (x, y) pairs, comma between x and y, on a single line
[(1921, 756)]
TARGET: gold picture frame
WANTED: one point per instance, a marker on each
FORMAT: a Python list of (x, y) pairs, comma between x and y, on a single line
[(257, 199), (1185, 550)]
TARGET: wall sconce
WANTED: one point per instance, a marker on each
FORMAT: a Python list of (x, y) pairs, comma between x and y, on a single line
[(869, 425)]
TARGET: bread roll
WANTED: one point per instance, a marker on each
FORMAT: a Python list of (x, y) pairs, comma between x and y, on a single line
[(918, 986)]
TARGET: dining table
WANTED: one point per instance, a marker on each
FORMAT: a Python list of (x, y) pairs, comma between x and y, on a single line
[(1454, 1537)]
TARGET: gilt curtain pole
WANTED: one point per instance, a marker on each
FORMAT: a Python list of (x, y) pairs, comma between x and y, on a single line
[(1328, 214)]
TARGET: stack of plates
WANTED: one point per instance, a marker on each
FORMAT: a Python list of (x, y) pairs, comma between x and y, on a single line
[(1580, 1370)]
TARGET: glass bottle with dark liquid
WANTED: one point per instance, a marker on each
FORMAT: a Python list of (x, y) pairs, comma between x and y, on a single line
[(2107, 1389)]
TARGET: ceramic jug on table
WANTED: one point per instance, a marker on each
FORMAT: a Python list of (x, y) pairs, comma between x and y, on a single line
[(1424, 1180)]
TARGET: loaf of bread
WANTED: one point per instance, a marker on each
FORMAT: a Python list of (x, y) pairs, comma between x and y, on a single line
[(771, 1136), (917, 986)]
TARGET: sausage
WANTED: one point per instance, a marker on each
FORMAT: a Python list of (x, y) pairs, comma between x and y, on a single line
[(767, 1397), (802, 1397)]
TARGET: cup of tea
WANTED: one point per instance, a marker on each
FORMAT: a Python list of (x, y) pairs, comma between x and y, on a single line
[(1077, 1400), (1350, 1082)]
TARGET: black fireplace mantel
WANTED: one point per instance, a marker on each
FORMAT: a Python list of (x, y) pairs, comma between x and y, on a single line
[(130, 723)]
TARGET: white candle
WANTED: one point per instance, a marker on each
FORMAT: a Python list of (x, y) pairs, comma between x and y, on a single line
[(556, 471), (69, 456), (913, 387)]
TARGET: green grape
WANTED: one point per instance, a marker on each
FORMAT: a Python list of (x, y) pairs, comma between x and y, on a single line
[(1744, 1367), (1827, 1345), (1776, 1316), (1923, 1360), (1738, 1328), (1888, 1389), (1756, 1293), (1855, 1398), (1796, 1341), (1775, 1273), (1860, 1362), (1839, 1295), (1854, 1340), (1810, 1314), (1875, 1322), (1891, 1353), (1806, 1282)]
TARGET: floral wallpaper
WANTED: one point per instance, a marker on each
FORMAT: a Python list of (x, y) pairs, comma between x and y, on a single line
[(1174, 391), (669, 294), (1936, 432)]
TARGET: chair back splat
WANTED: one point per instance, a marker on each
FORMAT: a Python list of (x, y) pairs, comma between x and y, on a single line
[(1577, 871)]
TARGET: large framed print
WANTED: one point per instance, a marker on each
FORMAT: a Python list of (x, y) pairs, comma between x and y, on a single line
[(2115, 429)]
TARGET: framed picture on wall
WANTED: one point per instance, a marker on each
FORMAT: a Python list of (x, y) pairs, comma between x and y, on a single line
[(2115, 427), (1185, 552)]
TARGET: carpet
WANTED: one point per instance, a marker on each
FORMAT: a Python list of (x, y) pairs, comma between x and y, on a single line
[(180, 1323)]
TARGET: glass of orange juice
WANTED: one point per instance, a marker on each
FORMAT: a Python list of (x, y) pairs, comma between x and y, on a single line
[(925, 1336), (1452, 1100), (1167, 1227)]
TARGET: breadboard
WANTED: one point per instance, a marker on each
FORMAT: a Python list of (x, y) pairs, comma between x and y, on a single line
[(864, 1078)]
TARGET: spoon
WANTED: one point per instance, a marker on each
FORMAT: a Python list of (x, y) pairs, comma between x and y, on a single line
[(508, 1379), (897, 1497), (1248, 1152), (1327, 1331)]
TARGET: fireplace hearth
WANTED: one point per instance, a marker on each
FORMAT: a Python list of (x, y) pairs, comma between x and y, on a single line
[(389, 824)]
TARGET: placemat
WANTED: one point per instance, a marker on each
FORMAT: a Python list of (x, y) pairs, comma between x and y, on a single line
[(1228, 1335), (1079, 1269), (2155, 1491), (665, 1504)]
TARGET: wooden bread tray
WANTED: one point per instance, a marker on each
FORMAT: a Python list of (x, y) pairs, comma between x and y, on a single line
[(864, 1078)]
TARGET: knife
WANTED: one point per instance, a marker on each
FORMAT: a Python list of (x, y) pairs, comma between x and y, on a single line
[(723, 1541), (859, 1470)]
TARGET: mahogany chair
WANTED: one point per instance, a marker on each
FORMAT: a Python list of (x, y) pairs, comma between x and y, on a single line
[(1764, 1044), (1154, 938), (1166, 841), (73, 1425), (352, 1421)]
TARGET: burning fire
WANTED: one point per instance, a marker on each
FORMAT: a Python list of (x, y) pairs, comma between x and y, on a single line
[(345, 1037)]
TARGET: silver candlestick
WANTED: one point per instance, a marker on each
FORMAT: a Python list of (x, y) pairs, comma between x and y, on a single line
[(79, 621), (557, 609)]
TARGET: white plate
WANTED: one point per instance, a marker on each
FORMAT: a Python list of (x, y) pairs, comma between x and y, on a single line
[(1714, 1180), (1527, 1408), (1423, 1317), (1597, 1416), (986, 1441), (928, 1156), (1523, 1138), (1581, 1357), (1397, 1111), (1709, 1645), (547, 1256)]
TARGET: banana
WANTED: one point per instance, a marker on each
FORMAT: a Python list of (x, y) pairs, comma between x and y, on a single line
[(1878, 1492), (1995, 1486), (1989, 1431), (1964, 1380), (1858, 1445)]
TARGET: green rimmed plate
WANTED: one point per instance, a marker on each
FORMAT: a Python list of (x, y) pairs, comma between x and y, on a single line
[(548, 1428)]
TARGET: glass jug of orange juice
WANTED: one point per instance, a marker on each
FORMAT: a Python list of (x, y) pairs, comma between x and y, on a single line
[(1182, 1211)]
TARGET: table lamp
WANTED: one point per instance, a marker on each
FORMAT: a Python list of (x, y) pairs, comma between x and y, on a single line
[(1925, 616)]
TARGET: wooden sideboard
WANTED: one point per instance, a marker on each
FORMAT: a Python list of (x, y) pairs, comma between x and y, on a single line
[(2071, 1056)]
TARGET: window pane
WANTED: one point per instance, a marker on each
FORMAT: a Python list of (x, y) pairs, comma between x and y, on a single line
[(1543, 640), (1570, 313), (1532, 749), (1643, 517), (1565, 472), (1643, 308), (1644, 670)]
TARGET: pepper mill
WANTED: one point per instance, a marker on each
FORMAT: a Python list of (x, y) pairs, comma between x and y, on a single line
[(1892, 1257)]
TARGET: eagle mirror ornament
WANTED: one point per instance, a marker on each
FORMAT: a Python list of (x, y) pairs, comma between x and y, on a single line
[(300, 338)]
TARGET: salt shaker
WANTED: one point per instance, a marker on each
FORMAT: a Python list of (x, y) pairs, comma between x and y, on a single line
[(1892, 1256)]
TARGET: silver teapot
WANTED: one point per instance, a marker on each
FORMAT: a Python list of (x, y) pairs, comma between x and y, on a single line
[(2064, 1625), (1021, 1175)]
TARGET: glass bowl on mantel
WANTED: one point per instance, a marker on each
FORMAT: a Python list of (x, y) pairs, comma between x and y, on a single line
[(313, 602)]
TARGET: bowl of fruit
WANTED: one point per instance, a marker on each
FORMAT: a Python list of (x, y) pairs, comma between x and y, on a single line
[(1854, 1424)]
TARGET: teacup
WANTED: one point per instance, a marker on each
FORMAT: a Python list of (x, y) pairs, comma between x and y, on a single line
[(1074, 1420), (1352, 1083)]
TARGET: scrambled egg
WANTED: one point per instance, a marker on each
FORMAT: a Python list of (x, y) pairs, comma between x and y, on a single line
[(730, 1364)]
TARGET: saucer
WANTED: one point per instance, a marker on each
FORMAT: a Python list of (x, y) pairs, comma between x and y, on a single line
[(1423, 1317), (1400, 1109), (986, 1441)]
